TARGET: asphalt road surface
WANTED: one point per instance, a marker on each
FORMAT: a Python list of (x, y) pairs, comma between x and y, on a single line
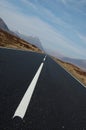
[(56, 100)]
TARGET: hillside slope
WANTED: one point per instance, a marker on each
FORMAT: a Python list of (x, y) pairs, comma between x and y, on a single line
[(74, 70), (31, 39), (10, 41)]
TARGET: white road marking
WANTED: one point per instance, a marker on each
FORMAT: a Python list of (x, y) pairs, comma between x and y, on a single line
[(22, 108), (44, 58)]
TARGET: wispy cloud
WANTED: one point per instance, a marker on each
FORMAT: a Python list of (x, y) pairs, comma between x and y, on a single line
[(37, 26), (82, 37), (29, 3), (48, 15), (77, 5)]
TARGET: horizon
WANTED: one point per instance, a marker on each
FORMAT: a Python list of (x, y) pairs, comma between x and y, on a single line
[(59, 24)]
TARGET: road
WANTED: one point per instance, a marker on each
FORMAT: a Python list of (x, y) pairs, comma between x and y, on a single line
[(57, 100)]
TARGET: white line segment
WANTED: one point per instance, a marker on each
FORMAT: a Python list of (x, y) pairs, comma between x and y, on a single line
[(44, 58), (22, 108)]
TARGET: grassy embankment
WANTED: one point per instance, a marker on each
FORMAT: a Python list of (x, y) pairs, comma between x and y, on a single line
[(74, 70)]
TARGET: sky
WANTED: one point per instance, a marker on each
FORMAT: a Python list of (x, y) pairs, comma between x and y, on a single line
[(59, 24)]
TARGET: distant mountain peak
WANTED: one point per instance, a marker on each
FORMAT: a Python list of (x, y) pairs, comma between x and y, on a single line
[(31, 39), (3, 25)]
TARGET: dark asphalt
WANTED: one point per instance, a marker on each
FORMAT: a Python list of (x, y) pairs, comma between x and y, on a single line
[(58, 102)]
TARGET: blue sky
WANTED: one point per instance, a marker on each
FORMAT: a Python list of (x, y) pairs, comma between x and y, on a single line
[(59, 24)]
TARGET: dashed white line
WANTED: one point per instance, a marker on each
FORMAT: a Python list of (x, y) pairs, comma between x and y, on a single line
[(22, 108), (44, 58)]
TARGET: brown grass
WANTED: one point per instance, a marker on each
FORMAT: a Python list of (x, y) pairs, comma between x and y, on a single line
[(11, 41), (74, 70)]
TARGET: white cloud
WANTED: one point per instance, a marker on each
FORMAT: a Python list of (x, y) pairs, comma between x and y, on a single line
[(28, 25)]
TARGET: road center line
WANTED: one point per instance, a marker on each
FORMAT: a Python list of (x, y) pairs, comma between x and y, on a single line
[(44, 58), (22, 108)]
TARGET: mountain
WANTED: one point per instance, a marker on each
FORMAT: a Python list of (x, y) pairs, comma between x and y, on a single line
[(33, 40), (3, 25), (78, 62), (36, 42), (10, 41)]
